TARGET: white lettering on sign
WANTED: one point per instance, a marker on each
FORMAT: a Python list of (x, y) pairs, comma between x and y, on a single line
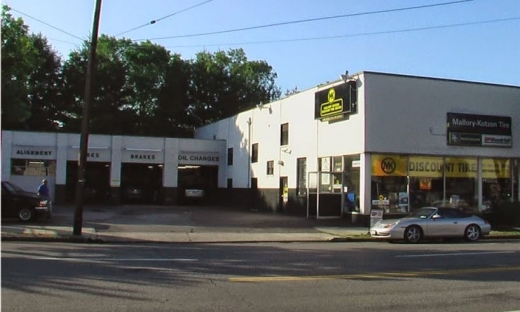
[(92, 155)]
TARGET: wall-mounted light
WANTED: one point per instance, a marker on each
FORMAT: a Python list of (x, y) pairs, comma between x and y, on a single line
[(286, 150)]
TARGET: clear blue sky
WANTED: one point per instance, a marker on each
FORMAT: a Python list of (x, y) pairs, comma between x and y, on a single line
[(486, 52)]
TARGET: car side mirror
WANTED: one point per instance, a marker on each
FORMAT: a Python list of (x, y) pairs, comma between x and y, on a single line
[(436, 216)]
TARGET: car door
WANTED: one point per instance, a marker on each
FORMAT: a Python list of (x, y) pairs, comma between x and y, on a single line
[(444, 223), (8, 203)]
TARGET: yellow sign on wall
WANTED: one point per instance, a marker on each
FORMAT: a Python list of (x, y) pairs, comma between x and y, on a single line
[(435, 167), (496, 168), (389, 165)]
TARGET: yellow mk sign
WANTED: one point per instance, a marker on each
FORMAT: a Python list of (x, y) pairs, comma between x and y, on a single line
[(436, 167)]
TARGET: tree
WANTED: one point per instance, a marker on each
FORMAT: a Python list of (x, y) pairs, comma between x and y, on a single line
[(18, 59), (110, 112), (225, 83), (44, 88)]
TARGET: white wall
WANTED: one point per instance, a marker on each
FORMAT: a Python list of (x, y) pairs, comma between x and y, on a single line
[(407, 114), (339, 138), (65, 146)]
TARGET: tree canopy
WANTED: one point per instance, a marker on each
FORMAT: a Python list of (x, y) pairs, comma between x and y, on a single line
[(139, 88)]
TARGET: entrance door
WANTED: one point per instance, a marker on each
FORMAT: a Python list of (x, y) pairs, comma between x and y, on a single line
[(283, 197)]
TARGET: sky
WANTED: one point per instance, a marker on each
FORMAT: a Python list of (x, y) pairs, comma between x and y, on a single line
[(475, 40)]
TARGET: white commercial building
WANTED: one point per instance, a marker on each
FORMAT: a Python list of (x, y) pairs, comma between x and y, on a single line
[(375, 140), (147, 169)]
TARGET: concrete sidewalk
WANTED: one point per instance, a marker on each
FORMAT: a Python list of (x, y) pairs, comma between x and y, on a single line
[(181, 224)]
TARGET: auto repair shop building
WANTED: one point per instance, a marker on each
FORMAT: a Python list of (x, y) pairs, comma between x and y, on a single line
[(375, 140), (159, 168)]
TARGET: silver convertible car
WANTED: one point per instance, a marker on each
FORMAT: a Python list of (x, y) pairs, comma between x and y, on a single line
[(432, 222)]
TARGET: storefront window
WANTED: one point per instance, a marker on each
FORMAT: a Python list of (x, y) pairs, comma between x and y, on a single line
[(351, 182), (389, 183), (496, 182), (461, 183), (33, 167), (426, 180), (326, 178)]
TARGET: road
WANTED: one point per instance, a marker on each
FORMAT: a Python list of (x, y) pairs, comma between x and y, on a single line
[(375, 276)]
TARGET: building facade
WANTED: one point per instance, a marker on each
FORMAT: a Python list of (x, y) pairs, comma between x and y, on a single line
[(375, 140), (119, 168)]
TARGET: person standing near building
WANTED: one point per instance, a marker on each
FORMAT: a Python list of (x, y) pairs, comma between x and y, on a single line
[(44, 192)]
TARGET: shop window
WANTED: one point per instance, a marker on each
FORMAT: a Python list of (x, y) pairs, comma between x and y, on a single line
[(270, 167), (461, 183), (426, 181), (351, 182), (254, 153), (33, 167), (389, 183), (284, 134), (325, 178), (301, 176), (496, 182), (230, 156), (337, 164)]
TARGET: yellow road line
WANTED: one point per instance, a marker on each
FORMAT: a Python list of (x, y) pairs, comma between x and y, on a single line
[(260, 279)]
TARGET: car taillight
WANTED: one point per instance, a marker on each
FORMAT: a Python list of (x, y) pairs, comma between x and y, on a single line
[(42, 203)]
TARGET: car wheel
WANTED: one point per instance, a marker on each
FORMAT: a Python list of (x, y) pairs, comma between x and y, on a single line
[(25, 214), (472, 233), (413, 234)]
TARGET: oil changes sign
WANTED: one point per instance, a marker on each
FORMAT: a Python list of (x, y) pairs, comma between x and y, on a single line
[(334, 102), (479, 130)]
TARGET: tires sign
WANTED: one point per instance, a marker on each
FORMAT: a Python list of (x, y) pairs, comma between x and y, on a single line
[(479, 130)]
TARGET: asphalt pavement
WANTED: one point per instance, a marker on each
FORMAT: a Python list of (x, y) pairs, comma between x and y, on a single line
[(181, 224)]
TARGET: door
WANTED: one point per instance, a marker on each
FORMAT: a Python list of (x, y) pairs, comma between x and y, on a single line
[(446, 224), (9, 203), (283, 197)]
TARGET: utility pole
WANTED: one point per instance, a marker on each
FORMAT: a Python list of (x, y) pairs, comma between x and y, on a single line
[(83, 146)]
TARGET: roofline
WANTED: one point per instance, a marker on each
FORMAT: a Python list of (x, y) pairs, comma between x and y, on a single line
[(438, 79)]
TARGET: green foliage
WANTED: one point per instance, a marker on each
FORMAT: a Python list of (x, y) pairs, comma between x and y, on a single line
[(18, 58), (504, 214), (137, 88)]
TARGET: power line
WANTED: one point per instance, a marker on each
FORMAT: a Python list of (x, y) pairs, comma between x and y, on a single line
[(58, 29), (351, 35), (164, 17), (307, 20)]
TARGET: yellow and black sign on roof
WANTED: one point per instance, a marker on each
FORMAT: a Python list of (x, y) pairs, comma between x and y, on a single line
[(334, 101)]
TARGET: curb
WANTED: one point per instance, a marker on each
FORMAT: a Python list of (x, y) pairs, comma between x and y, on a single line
[(91, 240)]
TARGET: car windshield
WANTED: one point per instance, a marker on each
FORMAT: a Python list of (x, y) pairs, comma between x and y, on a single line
[(422, 213), (12, 188)]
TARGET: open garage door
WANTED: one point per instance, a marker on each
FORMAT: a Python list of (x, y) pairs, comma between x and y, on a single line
[(197, 184), (141, 183), (97, 182)]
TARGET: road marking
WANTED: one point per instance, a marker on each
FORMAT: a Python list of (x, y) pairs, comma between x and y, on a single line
[(116, 259), (260, 279), (456, 254)]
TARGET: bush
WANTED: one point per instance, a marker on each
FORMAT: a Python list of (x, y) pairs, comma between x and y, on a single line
[(505, 214)]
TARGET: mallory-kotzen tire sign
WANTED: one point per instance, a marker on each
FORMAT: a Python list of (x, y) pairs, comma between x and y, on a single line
[(479, 130)]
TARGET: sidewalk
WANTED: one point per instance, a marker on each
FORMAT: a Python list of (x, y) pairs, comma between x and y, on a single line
[(181, 224)]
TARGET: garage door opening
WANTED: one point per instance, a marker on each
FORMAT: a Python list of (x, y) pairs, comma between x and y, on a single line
[(97, 182), (141, 183), (197, 184)]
